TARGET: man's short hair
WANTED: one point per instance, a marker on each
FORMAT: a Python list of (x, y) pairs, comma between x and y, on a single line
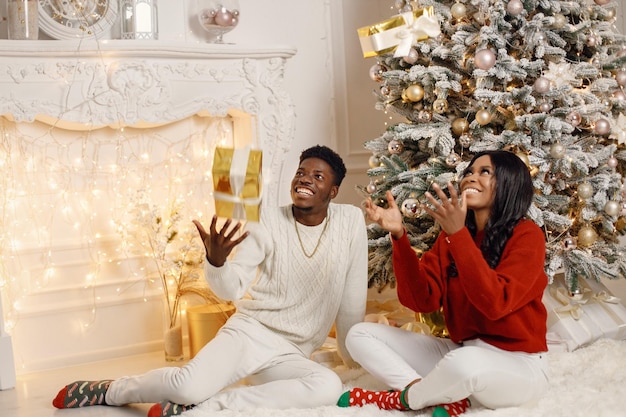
[(330, 157)]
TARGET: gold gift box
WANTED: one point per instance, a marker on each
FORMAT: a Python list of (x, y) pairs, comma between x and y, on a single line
[(384, 37), (204, 321), (246, 204)]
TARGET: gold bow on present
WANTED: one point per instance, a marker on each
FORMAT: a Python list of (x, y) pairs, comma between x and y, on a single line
[(399, 33)]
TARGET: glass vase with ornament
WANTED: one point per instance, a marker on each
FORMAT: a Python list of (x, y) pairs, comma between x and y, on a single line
[(218, 17)]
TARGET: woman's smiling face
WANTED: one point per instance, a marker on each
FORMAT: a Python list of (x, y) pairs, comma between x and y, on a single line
[(479, 184)]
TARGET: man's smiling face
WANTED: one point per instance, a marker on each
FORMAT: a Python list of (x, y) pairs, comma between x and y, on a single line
[(313, 185)]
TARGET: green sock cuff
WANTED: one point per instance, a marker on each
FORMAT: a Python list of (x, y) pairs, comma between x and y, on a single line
[(344, 400), (402, 400), (440, 412)]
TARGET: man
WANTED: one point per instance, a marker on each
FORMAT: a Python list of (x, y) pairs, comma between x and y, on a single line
[(300, 269)]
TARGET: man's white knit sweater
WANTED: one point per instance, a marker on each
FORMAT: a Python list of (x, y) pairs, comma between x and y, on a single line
[(273, 281)]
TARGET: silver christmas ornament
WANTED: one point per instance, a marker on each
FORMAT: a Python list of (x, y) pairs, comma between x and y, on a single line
[(466, 141), (395, 147), (412, 56), (453, 159), (559, 21), (557, 151), (612, 208), (545, 107), (377, 71), (585, 190), (602, 127), (568, 243), (458, 10), (542, 85), (573, 118), (485, 59), (514, 7), (410, 208)]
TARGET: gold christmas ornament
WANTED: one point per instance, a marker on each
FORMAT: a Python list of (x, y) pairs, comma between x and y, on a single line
[(587, 236), (483, 117), (460, 125), (440, 105), (414, 92)]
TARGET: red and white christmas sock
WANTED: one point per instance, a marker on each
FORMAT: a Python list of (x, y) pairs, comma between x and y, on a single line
[(385, 400), (167, 409), (451, 410), (82, 394)]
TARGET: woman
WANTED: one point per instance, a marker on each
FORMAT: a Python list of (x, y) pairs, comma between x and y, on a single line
[(486, 269)]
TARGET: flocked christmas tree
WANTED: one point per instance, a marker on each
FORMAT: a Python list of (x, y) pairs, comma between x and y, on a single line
[(542, 78)]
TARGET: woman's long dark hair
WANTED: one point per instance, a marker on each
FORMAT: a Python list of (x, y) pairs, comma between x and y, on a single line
[(513, 197)]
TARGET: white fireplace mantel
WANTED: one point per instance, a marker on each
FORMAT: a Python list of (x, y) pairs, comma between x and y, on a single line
[(86, 85), (81, 85)]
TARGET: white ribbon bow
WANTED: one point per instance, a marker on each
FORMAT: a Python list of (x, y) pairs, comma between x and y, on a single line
[(425, 26)]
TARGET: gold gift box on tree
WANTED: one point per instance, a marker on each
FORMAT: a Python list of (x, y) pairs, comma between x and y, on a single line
[(237, 183), (399, 33)]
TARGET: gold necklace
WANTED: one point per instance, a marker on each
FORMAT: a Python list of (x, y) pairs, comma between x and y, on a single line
[(295, 223)]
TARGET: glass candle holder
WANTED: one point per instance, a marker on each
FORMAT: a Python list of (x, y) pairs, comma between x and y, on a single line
[(23, 19), (139, 19)]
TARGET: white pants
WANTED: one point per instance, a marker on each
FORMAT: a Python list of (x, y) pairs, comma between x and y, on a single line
[(282, 376), (449, 371)]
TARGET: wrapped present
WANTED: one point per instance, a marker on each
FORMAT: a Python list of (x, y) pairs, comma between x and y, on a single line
[(237, 183), (203, 323), (576, 320), (399, 33)]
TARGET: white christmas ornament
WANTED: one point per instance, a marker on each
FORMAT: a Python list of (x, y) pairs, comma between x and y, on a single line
[(560, 74), (619, 129)]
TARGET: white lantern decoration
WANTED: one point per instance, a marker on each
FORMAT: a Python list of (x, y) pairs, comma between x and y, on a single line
[(139, 19)]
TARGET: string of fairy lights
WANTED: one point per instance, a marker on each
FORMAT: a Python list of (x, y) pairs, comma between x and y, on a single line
[(66, 191)]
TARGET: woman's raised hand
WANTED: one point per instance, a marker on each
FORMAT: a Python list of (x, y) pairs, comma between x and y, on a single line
[(448, 212)]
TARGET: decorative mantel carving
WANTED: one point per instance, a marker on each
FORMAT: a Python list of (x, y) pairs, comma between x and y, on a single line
[(86, 85), (80, 85)]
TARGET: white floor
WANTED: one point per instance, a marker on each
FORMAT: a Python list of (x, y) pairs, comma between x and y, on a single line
[(33, 394)]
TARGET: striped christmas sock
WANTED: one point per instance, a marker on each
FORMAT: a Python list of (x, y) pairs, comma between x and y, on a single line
[(167, 409), (451, 410), (385, 400), (82, 394)]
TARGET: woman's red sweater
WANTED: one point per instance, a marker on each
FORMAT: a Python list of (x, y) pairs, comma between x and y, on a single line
[(500, 306)]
